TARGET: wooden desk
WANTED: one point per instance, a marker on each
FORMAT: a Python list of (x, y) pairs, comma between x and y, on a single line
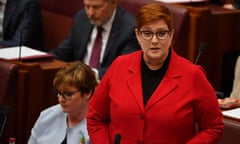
[(34, 94), (219, 29), (231, 131)]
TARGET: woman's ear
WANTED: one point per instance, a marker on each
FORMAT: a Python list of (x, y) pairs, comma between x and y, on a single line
[(137, 33), (88, 95), (172, 32)]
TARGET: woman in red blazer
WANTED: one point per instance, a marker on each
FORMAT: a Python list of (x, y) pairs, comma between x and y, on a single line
[(154, 96)]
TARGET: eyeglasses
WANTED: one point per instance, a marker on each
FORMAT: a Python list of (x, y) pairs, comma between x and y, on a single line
[(161, 35), (66, 94)]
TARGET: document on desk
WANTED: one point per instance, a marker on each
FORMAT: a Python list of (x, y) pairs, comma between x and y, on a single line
[(232, 113), (23, 53)]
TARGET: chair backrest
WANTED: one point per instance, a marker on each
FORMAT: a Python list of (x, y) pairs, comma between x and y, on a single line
[(8, 78), (57, 18), (8, 92)]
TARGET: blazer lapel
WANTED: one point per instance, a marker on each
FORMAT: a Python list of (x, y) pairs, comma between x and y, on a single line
[(168, 84), (85, 37), (134, 81), (113, 33), (85, 34)]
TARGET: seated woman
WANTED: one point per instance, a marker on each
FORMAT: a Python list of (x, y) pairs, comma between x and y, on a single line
[(65, 122)]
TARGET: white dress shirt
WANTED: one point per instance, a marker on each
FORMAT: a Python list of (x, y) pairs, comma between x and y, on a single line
[(105, 34)]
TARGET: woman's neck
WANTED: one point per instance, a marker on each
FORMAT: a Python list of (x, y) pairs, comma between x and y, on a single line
[(154, 64), (74, 119)]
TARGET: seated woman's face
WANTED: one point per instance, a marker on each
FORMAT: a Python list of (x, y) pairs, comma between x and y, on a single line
[(155, 39), (71, 99)]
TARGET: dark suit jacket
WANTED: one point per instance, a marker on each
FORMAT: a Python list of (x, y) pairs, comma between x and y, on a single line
[(121, 40), (19, 13)]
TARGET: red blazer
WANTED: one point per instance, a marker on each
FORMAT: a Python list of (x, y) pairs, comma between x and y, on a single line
[(183, 99)]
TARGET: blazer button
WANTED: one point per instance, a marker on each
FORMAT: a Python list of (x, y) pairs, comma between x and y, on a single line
[(142, 116)]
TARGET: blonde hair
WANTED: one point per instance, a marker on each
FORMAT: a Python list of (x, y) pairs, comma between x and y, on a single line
[(76, 74)]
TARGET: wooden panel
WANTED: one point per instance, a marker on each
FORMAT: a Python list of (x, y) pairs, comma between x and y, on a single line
[(62, 7), (219, 29), (231, 131), (34, 93)]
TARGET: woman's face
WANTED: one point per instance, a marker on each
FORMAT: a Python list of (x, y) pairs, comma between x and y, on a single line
[(73, 101), (155, 46)]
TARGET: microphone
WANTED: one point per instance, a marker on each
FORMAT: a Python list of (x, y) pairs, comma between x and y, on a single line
[(117, 139), (3, 118), (26, 11), (201, 48)]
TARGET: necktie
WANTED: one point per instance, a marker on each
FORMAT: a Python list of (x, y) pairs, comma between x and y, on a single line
[(96, 51)]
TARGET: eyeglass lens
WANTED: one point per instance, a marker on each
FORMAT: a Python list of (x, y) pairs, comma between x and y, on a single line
[(163, 34), (65, 94)]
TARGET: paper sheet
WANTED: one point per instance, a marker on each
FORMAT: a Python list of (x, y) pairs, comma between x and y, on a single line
[(13, 53), (233, 113)]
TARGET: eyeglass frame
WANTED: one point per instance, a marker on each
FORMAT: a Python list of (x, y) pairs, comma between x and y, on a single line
[(166, 32), (66, 95)]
